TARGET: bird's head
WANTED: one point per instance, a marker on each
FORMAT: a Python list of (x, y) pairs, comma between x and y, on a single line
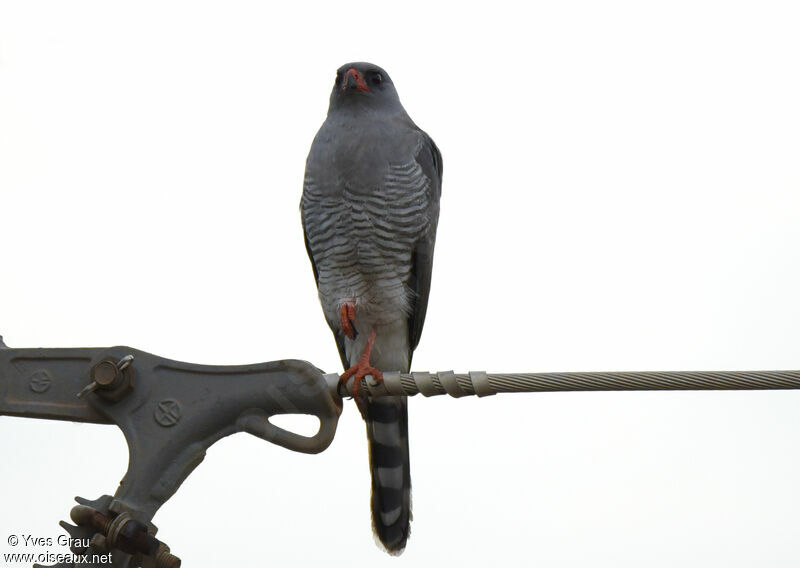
[(364, 84)]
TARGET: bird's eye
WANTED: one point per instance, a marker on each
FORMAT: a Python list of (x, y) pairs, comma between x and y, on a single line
[(377, 79)]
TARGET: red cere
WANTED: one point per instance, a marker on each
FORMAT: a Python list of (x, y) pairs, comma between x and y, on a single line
[(361, 84)]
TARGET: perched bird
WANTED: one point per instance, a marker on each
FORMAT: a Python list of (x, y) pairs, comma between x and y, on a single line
[(369, 209)]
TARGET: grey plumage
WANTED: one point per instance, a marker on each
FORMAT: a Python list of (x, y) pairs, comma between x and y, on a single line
[(370, 207)]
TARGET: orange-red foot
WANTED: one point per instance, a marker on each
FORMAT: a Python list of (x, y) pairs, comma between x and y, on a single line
[(347, 315), (362, 368)]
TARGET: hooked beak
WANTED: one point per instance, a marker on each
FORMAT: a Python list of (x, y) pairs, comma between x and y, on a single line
[(354, 80)]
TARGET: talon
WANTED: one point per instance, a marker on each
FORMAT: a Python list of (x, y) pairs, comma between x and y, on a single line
[(362, 368)]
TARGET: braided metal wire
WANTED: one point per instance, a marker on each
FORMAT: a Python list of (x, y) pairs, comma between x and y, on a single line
[(431, 384)]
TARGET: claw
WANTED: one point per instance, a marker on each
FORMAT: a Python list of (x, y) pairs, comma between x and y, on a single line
[(362, 368)]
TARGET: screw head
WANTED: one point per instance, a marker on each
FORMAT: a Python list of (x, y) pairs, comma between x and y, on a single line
[(105, 373)]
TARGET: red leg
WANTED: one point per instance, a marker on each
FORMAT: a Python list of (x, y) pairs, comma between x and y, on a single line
[(362, 368), (347, 315)]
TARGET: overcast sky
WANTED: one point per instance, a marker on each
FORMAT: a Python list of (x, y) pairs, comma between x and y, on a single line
[(621, 192)]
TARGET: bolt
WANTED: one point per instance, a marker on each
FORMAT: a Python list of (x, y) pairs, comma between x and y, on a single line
[(132, 537), (99, 542), (87, 516), (108, 377), (122, 532), (105, 373), (166, 560)]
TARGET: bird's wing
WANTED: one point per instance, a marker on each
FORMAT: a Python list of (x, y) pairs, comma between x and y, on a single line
[(337, 336), (430, 160), (310, 254)]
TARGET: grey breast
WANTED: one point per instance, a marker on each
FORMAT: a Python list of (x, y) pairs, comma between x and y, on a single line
[(362, 235)]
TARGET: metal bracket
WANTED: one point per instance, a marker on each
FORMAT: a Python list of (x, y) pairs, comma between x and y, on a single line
[(170, 413)]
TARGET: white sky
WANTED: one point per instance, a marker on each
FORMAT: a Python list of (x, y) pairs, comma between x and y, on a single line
[(621, 192)]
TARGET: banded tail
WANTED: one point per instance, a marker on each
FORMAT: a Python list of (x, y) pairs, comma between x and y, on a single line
[(387, 433)]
